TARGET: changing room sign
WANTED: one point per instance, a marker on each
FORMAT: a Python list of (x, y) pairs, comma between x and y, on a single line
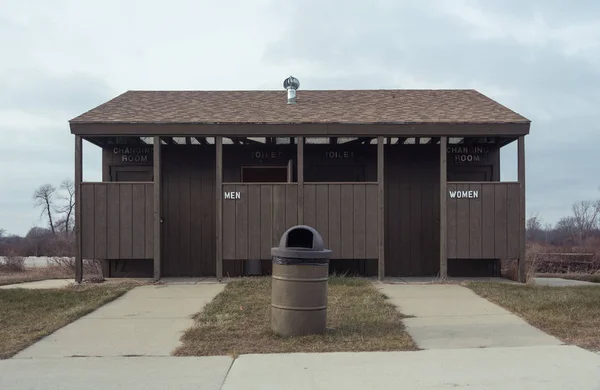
[(467, 154), (133, 154)]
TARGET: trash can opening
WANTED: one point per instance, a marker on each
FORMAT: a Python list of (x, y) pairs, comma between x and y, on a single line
[(300, 238)]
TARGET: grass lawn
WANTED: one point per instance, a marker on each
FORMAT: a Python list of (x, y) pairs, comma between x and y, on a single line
[(570, 313), (28, 315), (238, 321)]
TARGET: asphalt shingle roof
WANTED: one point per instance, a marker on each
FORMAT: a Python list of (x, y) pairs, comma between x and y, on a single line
[(316, 106)]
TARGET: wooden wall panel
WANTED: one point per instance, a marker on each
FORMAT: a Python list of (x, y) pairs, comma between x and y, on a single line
[(512, 220), (487, 226), (126, 221), (113, 225), (254, 214), (372, 221), (255, 222), (351, 218), (347, 221), (322, 210), (291, 205), (87, 221), (241, 222), (278, 214), (138, 212), (475, 223), (359, 222), (185, 209), (196, 223), (114, 217), (100, 232), (451, 208), (266, 221), (501, 234), (149, 218), (310, 206), (487, 221), (229, 225), (334, 214), (462, 225)]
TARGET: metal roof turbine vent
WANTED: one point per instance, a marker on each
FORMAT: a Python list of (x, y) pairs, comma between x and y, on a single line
[(291, 84)]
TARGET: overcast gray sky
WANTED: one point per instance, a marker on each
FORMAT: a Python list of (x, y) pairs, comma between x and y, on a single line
[(60, 58)]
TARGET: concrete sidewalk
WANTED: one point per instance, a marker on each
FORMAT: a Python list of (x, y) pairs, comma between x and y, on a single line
[(451, 316), (41, 284), (146, 321), (544, 368), (560, 282), (558, 367)]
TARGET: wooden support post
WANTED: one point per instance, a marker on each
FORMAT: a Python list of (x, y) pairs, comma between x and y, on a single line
[(78, 180), (300, 174), (522, 215), (157, 209), (380, 210), (443, 208), (219, 204)]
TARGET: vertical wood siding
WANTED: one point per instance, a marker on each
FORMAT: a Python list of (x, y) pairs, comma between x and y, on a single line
[(254, 223), (344, 214), (485, 227), (346, 217), (116, 220)]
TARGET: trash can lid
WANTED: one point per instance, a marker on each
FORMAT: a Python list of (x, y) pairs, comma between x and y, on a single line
[(302, 242)]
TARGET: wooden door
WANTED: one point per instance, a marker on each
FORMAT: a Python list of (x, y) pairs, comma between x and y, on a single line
[(188, 211)]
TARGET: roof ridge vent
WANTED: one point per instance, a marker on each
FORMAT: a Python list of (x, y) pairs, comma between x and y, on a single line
[(291, 84)]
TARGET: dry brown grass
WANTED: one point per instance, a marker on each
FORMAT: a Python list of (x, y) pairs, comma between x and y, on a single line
[(570, 313), (238, 321), (58, 268), (33, 274), (28, 315)]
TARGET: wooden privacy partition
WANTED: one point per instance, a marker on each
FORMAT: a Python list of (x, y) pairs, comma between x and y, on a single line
[(483, 220), (346, 217), (117, 220), (256, 215)]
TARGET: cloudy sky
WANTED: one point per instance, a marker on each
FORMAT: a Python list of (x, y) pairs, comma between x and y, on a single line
[(61, 58)]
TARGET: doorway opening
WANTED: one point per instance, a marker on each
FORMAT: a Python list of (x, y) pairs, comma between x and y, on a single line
[(266, 174)]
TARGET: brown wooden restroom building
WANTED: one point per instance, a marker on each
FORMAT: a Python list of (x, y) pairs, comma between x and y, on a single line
[(203, 183)]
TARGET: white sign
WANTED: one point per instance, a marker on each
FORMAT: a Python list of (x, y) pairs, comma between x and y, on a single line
[(232, 195), (339, 154), (463, 194)]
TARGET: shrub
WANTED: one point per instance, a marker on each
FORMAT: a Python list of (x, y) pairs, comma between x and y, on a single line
[(13, 262)]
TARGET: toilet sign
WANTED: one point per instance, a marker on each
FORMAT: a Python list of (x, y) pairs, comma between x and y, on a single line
[(232, 195)]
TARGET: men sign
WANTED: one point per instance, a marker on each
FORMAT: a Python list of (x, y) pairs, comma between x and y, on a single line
[(232, 195)]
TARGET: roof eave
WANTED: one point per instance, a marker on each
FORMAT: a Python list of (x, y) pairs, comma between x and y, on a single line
[(423, 129)]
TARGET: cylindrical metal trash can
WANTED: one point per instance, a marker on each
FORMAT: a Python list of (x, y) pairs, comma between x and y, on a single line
[(299, 283)]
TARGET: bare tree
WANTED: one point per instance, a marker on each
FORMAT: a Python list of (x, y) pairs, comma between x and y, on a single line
[(37, 240), (533, 227), (585, 218), (67, 188), (547, 231), (565, 227), (43, 197)]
